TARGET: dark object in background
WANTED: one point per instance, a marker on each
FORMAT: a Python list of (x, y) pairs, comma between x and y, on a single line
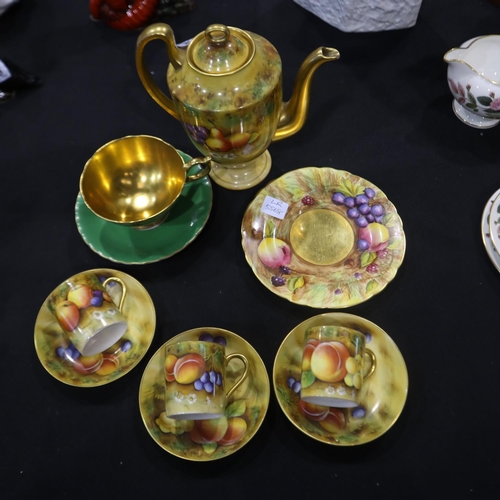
[(123, 15), (14, 78)]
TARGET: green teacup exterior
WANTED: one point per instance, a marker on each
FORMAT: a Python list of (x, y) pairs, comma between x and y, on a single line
[(335, 362), (195, 380)]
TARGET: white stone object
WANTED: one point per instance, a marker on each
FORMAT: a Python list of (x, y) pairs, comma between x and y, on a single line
[(365, 15)]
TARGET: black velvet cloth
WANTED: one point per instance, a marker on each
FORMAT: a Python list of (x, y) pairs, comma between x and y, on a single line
[(382, 112)]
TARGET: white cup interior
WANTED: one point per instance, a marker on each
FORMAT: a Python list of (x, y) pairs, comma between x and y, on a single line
[(104, 338), (332, 402), (195, 416)]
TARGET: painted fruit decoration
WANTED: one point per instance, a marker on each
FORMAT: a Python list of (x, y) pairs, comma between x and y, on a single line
[(211, 433), (226, 430), (216, 140), (103, 364), (371, 224), (330, 362), (70, 301), (276, 254), (67, 306), (329, 419), (191, 369)]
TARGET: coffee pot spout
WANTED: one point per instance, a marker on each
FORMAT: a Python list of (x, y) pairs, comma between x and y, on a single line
[(294, 112)]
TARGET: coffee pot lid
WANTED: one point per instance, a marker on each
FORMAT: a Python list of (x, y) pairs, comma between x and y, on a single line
[(220, 50)]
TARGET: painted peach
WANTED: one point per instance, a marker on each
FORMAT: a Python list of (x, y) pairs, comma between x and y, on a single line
[(376, 235), (217, 141), (307, 353), (334, 421), (195, 434), (110, 363), (209, 431), (67, 315), (328, 361), (88, 364), (189, 368), (170, 361), (312, 411), (236, 429), (239, 139), (80, 295), (274, 252)]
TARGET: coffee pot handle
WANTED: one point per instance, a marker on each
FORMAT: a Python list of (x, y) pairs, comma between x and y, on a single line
[(158, 31)]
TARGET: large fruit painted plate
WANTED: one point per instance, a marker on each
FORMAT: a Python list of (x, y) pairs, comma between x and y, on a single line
[(323, 238), (61, 359), (217, 438), (382, 397)]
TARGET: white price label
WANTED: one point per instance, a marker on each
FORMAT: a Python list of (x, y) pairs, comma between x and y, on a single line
[(274, 207)]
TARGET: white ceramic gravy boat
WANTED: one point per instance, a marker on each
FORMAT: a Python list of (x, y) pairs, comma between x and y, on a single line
[(474, 81)]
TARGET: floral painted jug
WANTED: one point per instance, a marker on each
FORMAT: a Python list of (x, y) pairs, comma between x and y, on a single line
[(474, 81)]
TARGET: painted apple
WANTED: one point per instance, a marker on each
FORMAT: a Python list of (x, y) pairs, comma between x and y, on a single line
[(80, 295), (334, 421), (88, 364), (313, 411), (170, 361), (328, 361), (376, 235), (274, 252), (110, 363), (67, 315), (236, 429), (189, 368), (209, 431), (239, 139), (217, 141)]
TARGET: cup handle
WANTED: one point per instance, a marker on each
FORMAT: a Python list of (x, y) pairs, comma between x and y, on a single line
[(373, 365), (206, 161), (229, 357), (124, 289)]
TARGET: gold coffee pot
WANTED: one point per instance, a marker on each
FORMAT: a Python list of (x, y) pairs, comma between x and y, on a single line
[(226, 89)]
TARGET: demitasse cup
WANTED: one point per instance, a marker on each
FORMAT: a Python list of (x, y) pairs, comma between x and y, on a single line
[(335, 362), (134, 181), (85, 311), (195, 380)]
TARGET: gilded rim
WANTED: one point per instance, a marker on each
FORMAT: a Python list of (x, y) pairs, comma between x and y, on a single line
[(466, 45)]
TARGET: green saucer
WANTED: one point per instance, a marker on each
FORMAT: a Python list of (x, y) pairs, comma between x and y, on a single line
[(132, 246)]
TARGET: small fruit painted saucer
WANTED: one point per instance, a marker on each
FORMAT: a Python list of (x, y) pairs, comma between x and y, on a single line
[(323, 238), (59, 357), (245, 410), (127, 245), (486, 232), (383, 394)]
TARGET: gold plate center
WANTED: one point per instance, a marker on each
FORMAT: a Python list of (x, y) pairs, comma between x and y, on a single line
[(321, 237)]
